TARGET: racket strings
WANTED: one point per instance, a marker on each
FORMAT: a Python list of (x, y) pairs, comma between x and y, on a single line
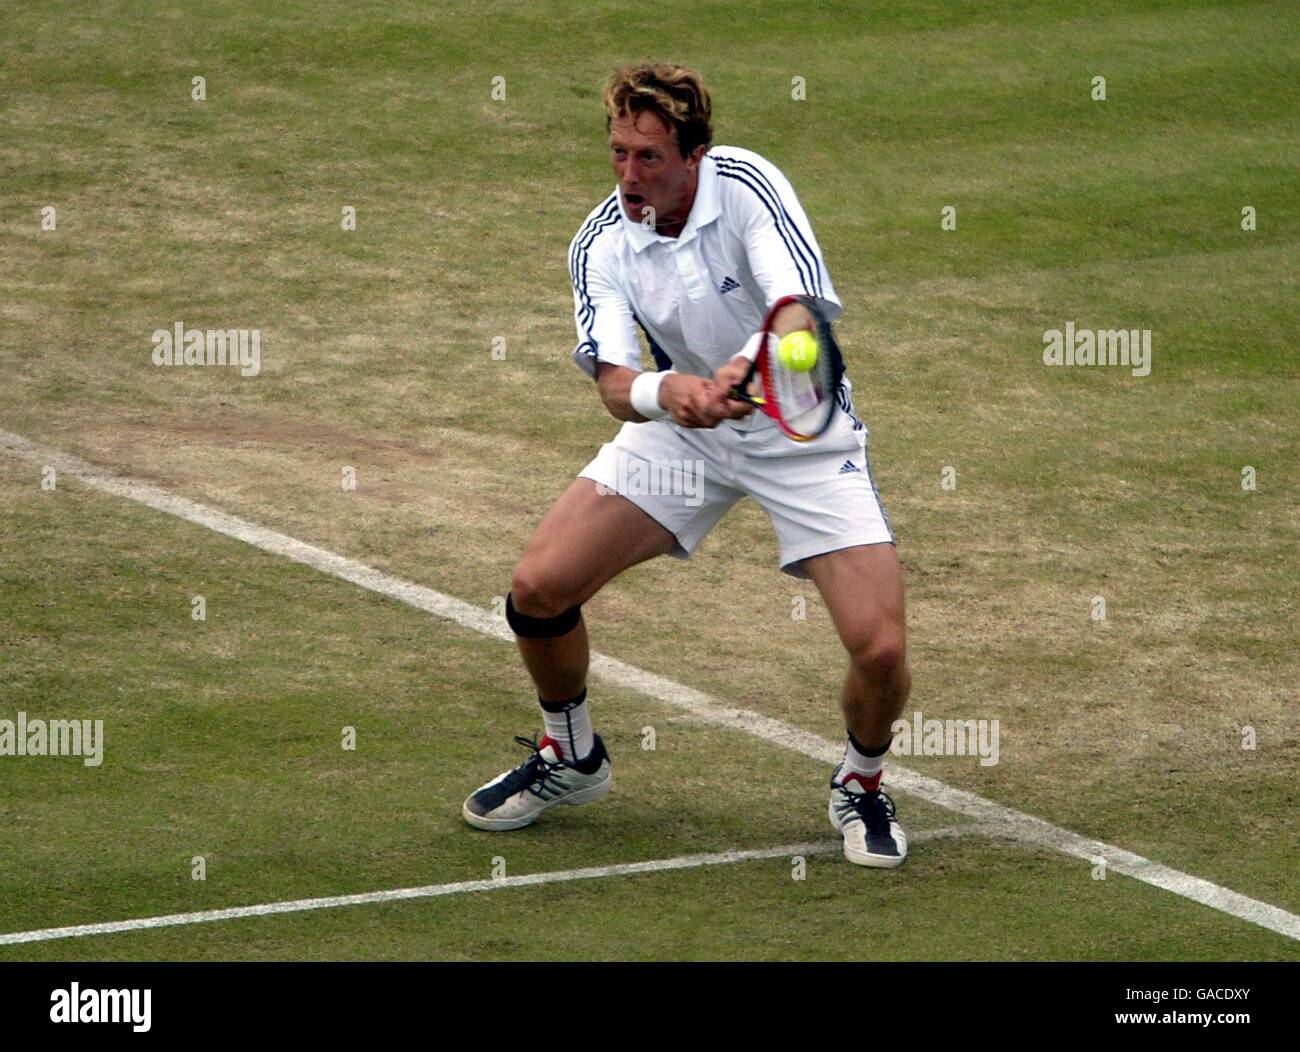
[(806, 398), (801, 401)]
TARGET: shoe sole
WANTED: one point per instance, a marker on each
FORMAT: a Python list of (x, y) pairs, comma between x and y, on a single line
[(864, 858), (502, 825)]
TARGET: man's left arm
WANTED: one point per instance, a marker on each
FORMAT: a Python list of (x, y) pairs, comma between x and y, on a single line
[(784, 258), (790, 318)]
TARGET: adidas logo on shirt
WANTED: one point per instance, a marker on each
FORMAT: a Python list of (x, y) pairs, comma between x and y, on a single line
[(729, 284), (848, 467)]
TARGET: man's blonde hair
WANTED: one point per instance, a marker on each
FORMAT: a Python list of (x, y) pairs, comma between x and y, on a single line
[(675, 93)]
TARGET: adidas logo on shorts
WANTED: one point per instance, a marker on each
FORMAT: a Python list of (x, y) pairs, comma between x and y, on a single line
[(729, 284), (848, 467)]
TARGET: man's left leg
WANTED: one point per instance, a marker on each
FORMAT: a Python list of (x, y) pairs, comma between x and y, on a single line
[(862, 587)]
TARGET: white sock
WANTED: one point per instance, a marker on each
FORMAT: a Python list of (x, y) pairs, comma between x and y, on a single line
[(568, 724), (857, 761)]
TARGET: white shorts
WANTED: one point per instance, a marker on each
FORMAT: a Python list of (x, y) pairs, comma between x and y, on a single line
[(819, 495)]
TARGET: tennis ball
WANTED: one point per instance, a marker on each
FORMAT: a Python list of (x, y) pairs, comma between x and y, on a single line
[(797, 350)]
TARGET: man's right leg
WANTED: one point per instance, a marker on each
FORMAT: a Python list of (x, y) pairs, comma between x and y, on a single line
[(584, 541)]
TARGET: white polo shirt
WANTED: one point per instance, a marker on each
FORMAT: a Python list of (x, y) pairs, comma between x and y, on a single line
[(699, 296)]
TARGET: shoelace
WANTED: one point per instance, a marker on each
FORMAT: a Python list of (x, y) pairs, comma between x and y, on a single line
[(536, 771), (876, 809)]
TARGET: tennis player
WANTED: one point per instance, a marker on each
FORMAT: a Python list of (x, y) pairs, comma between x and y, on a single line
[(692, 247)]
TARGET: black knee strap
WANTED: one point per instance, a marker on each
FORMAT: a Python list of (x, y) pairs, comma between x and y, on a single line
[(541, 627)]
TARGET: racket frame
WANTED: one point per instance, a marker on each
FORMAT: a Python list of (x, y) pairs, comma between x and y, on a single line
[(762, 367)]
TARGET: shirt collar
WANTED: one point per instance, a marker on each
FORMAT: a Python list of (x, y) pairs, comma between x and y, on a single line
[(704, 210)]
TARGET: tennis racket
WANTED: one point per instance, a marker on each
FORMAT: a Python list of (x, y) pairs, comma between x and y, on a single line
[(802, 401)]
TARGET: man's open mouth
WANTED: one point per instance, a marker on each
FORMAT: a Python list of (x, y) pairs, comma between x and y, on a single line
[(634, 200)]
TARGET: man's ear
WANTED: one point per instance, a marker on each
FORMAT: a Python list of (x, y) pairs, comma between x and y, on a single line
[(697, 155)]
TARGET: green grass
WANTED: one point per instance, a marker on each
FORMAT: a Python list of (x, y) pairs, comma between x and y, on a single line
[(223, 736), (223, 740)]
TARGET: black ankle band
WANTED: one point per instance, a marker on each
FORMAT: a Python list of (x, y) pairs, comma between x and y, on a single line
[(562, 706), (873, 753)]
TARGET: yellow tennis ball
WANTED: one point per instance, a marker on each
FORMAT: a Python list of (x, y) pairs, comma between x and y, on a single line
[(797, 350)]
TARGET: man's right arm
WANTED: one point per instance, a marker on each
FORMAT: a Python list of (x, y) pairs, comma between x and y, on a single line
[(691, 401)]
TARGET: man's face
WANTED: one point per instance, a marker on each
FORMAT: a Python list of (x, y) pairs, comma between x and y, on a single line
[(651, 171)]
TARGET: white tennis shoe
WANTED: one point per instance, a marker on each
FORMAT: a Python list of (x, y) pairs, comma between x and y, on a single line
[(516, 797), (865, 818)]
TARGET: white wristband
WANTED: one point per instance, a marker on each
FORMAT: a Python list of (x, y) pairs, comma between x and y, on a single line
[(644, 395), (750, 350)]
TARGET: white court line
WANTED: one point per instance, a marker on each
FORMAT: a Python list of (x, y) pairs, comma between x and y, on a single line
[(1025, 827), (431, 891)]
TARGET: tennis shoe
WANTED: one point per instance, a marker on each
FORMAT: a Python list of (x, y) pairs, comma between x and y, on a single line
[(516, 798), (865, 818)]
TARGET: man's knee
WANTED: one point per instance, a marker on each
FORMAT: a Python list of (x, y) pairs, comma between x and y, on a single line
[(537, 592), (539, 606), (880, 656)]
